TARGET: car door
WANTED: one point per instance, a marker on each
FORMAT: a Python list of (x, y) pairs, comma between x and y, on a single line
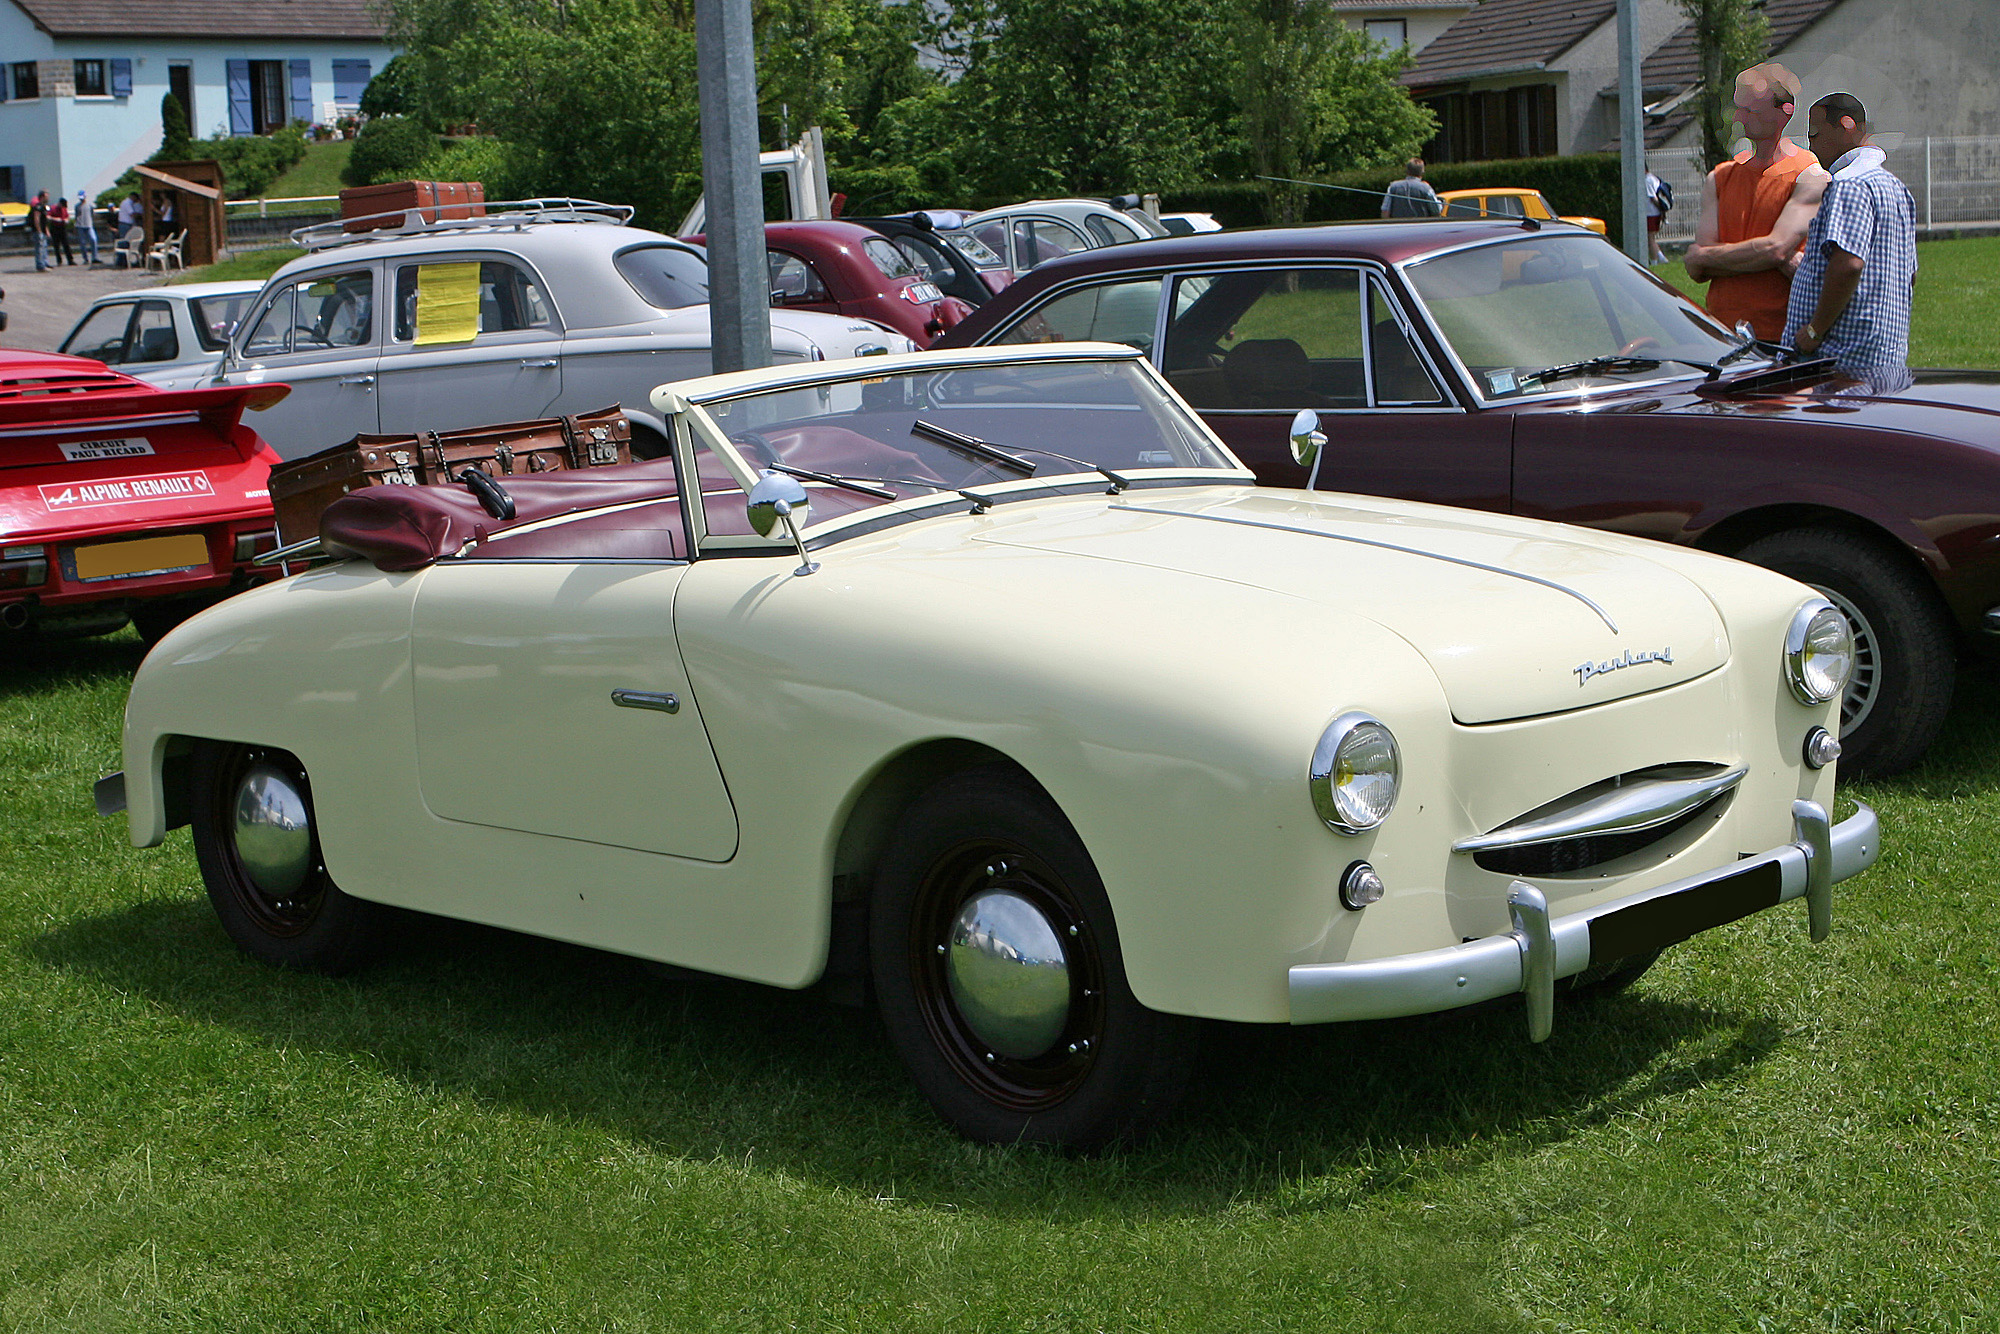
[(474, 340), (796, 284), (317, 333), (578, 652), (1250, 347)]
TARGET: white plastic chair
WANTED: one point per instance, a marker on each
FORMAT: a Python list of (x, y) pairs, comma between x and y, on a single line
[(166, 251)]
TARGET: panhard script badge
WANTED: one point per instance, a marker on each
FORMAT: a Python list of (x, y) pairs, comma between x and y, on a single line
[(1586, 670)]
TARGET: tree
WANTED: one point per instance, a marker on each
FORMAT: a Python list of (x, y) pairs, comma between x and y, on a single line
[(1316, 97), (175, 141), (1729, 37)]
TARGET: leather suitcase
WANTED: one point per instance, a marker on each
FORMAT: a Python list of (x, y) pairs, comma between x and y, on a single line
[(436, 199), (303, 488)]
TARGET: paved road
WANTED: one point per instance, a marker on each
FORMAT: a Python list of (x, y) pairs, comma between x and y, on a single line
[(43, 307)]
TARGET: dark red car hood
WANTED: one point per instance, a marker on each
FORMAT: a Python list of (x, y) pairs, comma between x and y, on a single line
[(1960, 405)]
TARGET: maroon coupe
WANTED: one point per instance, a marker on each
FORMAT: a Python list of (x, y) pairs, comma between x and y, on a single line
[(1532, 368)]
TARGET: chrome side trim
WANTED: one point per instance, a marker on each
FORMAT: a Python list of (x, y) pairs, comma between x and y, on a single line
[(1496, 966), (1640, 804), (1602, 614)]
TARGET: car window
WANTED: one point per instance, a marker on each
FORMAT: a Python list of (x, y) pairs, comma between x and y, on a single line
[(1123, 312), (317, 314), (924, 259), (1400, 376), (153, 337), (216, 317), (668, 277), (455, 302), (1037, 241), (977, 248), (793, 280), (992, 238), (102, 334), (1269, 339), (1109, 231), (1504, 206), (887, 258)]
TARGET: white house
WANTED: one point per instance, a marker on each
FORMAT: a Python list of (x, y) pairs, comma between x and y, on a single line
[(81, 80)]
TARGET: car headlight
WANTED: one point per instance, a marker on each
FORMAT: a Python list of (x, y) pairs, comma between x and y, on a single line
[(1819, 652), (1355, 772)]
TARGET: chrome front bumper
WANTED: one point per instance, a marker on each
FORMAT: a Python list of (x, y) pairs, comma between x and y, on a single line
[(1541, 949)]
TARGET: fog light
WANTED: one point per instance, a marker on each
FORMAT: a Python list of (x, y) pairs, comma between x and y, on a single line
[(1822, 748), (1360, 886)]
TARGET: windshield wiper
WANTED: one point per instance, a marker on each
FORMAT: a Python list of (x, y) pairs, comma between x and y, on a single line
[(973, 446), (1742, 349), (846, 483), (1592, 365)]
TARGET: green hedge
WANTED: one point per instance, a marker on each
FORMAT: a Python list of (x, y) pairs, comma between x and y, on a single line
[(1586, 183)]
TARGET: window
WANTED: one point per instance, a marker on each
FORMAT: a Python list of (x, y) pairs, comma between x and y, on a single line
[(1037, 242), (216, 317), (1268, 339), (316, 315), (1400, 376), (793, 281), (350, 78), (502, 299), (1505, 123), (1111, 313), (1391, 33), (1109, 231), (887, 258), (27, 80), (153, 337), (101, 336), (666, 276), (90, 80)]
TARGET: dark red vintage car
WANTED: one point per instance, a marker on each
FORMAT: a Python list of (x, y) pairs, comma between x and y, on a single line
[(1533, 369), (119, 501), (842, 268)]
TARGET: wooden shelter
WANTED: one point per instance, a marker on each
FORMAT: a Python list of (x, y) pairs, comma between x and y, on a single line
[(193, 191)]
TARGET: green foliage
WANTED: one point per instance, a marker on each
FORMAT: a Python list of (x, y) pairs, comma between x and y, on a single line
[(504, 169), (1316, 96), (391, 92), (1729, 36), (175, 141), (388, 149)]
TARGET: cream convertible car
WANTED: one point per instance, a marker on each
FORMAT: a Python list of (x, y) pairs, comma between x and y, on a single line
[(993, 674)]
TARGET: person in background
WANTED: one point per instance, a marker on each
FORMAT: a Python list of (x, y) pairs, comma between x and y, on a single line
[(1851, 299), (131, 228), (86, 228), (1411, 197), (1659, 198), (1755, 209), (38, 224), (59, 232)]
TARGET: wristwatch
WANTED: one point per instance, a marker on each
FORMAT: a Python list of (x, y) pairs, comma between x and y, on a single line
[(1813, 334)]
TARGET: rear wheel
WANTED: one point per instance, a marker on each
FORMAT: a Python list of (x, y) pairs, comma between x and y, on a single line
[(998, 970), (1904, 657), (257, 842)]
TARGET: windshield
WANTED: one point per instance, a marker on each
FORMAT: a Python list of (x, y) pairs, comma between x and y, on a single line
[(666, 276), (1519, 309), (908, 432)]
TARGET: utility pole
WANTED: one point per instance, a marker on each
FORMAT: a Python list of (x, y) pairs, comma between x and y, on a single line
[(739, 294), (1631, 134)]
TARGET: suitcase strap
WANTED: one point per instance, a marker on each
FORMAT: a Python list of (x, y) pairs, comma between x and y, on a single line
[(588, 448)]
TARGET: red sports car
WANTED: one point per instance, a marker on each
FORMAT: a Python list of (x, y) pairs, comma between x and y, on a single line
[(121, 502)]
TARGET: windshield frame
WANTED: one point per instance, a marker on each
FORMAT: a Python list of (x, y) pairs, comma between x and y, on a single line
[(1667, 373)]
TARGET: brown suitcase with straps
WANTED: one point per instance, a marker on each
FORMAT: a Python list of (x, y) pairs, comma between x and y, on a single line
[(303, 488)]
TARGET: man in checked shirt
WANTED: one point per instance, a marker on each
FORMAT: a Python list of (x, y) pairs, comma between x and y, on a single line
[(1851, 296)]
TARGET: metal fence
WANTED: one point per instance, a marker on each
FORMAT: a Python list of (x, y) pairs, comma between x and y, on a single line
[(1955, 179)]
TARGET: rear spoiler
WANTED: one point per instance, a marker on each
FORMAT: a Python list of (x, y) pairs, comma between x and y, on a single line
[(67, 400)]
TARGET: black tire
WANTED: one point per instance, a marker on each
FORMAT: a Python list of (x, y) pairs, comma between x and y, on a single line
[(1905, 658), (1116, 1070), (153, 619), (312, 926)]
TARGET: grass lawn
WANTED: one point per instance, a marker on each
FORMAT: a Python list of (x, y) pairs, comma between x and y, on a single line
[(253, 264), (1955, 319), (318, 173)]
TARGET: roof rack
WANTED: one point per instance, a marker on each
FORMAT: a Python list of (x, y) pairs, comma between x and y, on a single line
[(509, 215)]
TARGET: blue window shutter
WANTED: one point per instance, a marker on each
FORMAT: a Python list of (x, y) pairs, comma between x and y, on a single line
[(302, 90), (14, 184), (239, 96), (121, 78), (350, 78)]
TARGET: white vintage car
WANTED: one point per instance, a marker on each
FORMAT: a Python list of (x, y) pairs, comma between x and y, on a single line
[(992, 678)]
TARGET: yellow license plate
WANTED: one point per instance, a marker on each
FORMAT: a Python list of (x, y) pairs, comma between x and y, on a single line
[(146, 555)]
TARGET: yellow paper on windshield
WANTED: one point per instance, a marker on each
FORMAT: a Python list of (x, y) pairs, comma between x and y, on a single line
[(447, 303)]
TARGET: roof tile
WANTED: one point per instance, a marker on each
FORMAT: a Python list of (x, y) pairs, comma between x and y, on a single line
[(205, 18)]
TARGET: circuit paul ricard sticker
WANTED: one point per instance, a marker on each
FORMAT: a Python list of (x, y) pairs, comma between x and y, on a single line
[(117, 447)]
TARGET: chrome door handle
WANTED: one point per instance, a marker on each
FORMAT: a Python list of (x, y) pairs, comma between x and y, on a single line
[(357, 379), (548, 365), (658, 700)]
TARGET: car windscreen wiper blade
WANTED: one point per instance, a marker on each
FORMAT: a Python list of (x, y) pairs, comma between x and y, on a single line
[(1614, 363), (971, 445), (847, 483)]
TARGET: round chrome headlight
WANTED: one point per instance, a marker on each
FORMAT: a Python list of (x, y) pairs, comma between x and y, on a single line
[(1355, 772), (1819, 652)]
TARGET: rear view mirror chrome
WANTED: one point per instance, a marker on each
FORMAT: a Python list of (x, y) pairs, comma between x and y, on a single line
[(1307, 442), (778, 498)]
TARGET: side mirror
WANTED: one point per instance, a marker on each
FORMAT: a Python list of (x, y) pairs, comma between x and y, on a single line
[(1307, 438), (779, 498)]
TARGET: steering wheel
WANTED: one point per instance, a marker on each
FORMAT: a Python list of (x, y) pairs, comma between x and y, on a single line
[(1638, 344)]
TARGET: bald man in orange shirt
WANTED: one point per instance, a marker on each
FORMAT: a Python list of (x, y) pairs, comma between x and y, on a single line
[(1755, 209)]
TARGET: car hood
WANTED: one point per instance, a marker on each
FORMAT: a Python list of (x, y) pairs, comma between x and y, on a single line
[(1931, 402), (1516, 620)]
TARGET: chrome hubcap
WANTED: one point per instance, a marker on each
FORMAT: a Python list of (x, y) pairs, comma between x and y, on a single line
[(1009, 974), (273, 830)]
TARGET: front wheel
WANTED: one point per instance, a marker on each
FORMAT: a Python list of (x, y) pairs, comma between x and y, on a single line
[(998, 971), (257, 843), (1904, 658)]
